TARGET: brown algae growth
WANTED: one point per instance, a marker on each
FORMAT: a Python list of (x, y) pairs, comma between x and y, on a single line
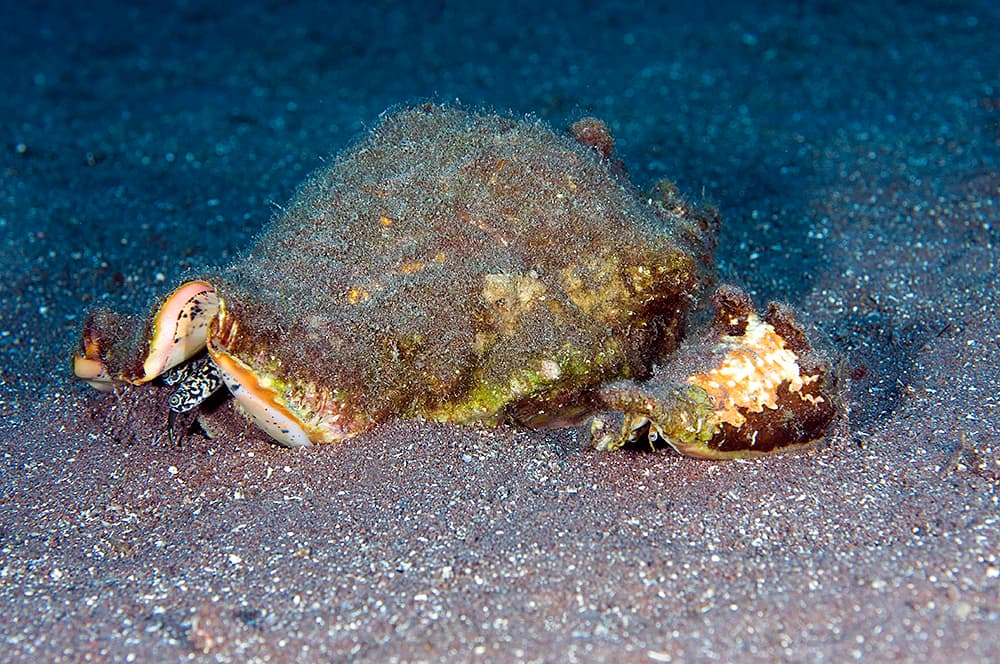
[(477, 269)]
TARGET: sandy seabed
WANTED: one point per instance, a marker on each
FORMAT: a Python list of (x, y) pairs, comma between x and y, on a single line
[(853, 150)]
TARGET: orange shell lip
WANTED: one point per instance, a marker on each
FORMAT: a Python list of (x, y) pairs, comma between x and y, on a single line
[(311, 415), (93, 372), (88, 365), (755, 365), (261, 403)]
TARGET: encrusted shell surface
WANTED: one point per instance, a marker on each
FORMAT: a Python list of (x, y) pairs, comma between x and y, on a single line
[(453, 266), (458, 267), (749, 386), (477, 269)]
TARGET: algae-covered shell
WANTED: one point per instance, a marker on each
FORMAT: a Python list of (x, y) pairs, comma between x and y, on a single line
[(477, 269), (452, 266)]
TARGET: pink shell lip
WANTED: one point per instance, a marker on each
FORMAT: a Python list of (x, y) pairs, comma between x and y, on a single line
[(180, 328), (88, 361), (194, 318)]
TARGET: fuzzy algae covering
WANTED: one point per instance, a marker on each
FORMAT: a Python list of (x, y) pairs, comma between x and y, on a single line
[(452, 264)]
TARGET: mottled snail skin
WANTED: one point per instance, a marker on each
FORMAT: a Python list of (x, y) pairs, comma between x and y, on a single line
[(451, 266), (194, 382)]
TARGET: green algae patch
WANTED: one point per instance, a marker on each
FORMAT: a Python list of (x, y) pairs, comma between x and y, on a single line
[(555, 384)]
